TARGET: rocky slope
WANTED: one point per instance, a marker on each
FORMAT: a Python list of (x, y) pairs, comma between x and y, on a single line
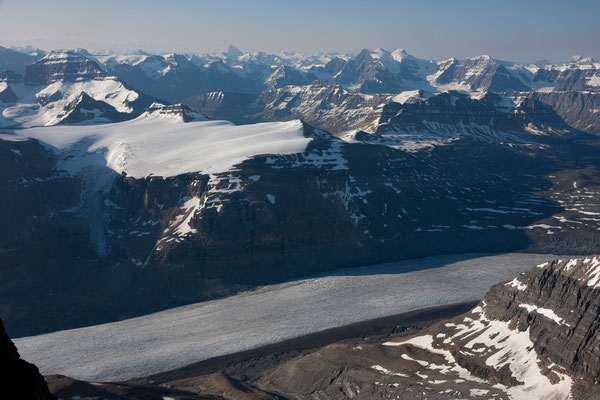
[(489, 117), (535, 337), (66, 88), (211, 387), (581, 110), (329, 107), (331, 203), (285, 83), (158, 204), (350, 94), (19, 379)]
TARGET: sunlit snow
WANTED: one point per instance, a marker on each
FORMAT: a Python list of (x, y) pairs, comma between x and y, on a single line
[(167, 146)]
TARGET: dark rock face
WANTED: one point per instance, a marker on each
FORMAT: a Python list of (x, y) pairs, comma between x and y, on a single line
[(492, 117), (45, 228), (19, 379), (569, 335), (578, 109), (238, 108), (238, 235), (7, 95), (327, 107), (42, 228), (10, 77), (285, 76)]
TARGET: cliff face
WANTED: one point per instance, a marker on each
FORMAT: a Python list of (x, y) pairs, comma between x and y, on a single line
[(329, 107), (578, 109), (535, 337), (97, 247), (19, 379)]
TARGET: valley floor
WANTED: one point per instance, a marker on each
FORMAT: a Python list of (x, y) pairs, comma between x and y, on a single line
[(182, 336)]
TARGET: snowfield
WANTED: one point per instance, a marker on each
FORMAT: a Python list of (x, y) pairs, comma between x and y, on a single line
[(152, 144), (28, 111), (174, 338)]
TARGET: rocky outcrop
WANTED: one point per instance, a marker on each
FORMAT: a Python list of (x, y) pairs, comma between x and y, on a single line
[(480, 73), (490, 117), (86, 109), (558, 304), (325, 106), (176, 112), (238, 108), (10, 77), (7, 95), (329, 107), (534, 337), (39, 207), (580, 110), (19, 379), (219, 384)]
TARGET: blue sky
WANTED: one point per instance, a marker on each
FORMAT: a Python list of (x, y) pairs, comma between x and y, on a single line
[(523, 30)]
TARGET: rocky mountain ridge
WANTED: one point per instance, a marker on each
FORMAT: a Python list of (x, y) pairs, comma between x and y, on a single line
[(66, 88), (158, 193), (270, 217), (268, 82), (534, 337)]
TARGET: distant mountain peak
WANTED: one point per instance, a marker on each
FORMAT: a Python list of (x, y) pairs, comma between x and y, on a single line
[(233, 52), (401, 52), (577, 59), (483, 57)]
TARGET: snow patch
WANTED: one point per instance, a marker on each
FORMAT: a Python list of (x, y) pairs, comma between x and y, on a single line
[(546, 312)]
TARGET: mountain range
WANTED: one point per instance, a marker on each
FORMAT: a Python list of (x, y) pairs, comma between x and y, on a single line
[(393, 157), (134, 182), (250, 87)]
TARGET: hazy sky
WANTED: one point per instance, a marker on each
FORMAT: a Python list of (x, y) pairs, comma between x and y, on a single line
[(521, 30)]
